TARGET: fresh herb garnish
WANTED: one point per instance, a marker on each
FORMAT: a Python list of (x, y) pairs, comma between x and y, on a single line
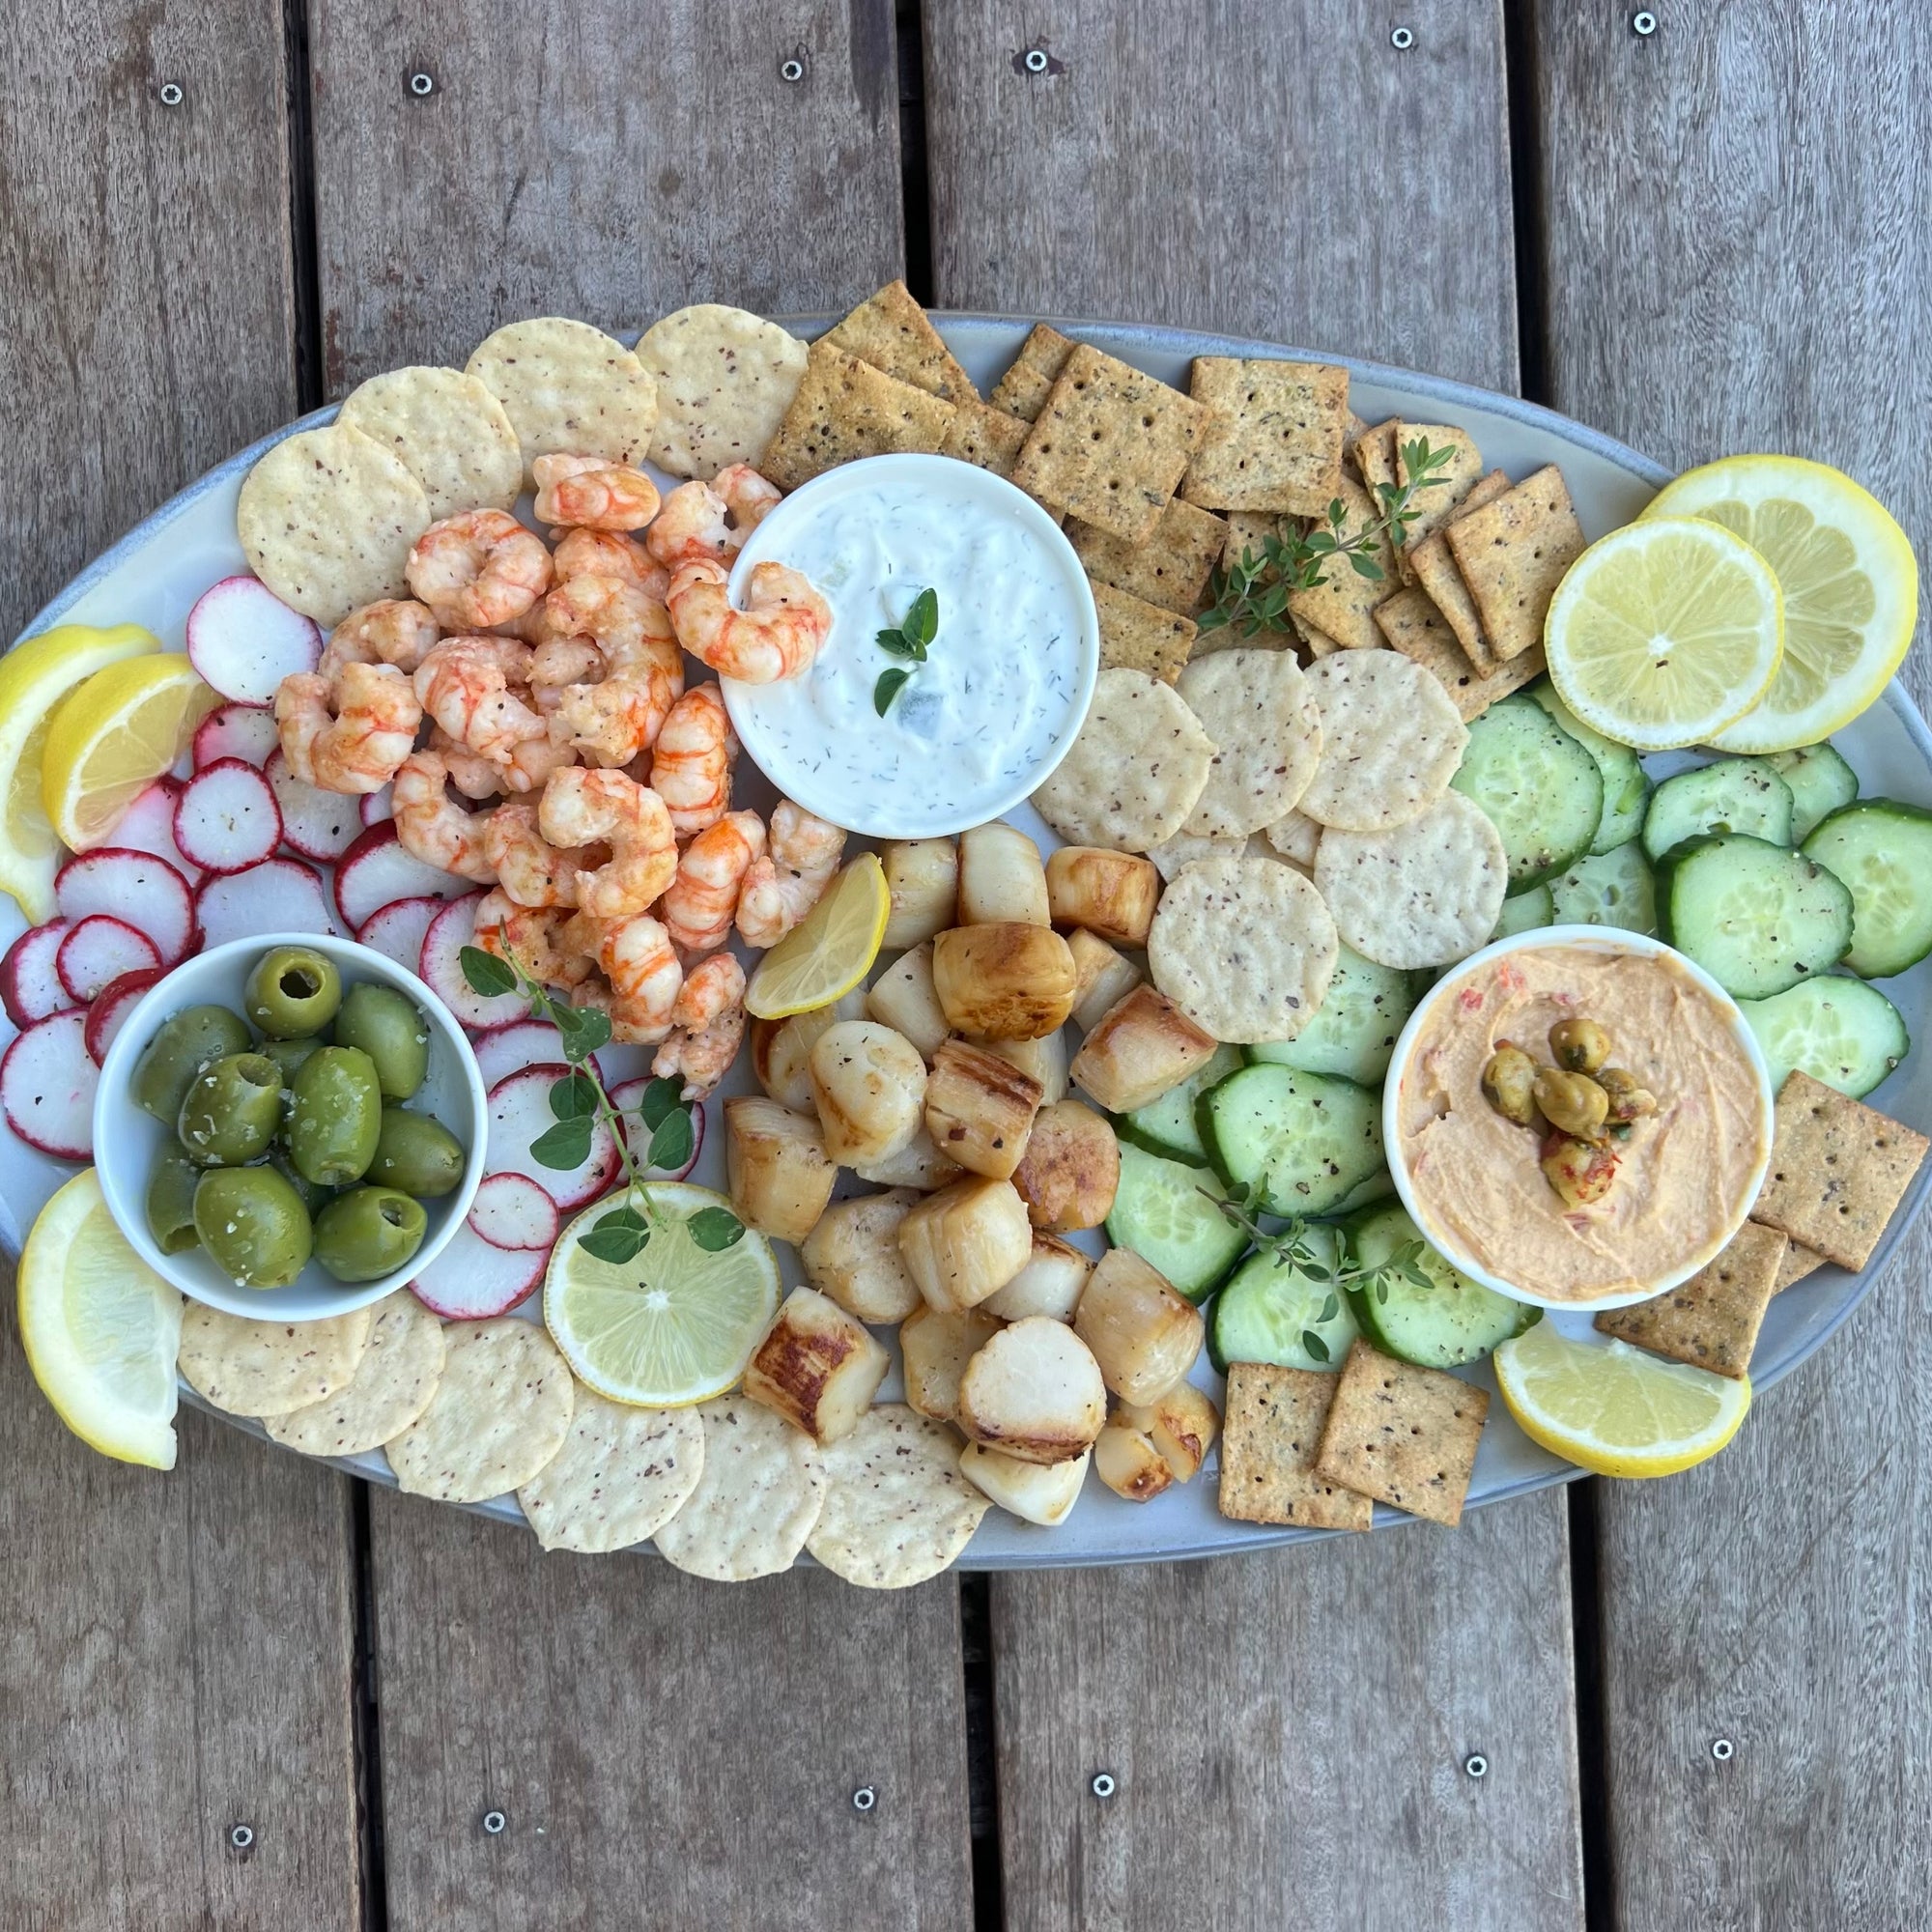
[(1291, 1243), (915, 632)]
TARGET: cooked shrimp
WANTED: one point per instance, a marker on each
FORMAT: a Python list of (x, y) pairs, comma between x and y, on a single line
[(801, 856), (530, 868), (560, 661), (640, 968), (593, 493), (468, 685), (392, 630), (698, 904), (473, 777), (710, 520), (348, 733), (691, 761), (776, 636), (605, 807), (615, 614), (609, 719), (707, 1027), (534, 759), (478, 569), (531, 938), (432, 826), (608, 554)]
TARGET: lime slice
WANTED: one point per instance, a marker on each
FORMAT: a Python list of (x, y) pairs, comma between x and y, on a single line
[(674, 1326), (829, 951)]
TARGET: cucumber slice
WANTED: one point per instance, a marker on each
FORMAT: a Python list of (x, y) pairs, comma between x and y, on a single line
[(1452, 1320), (1302, 1141), (1820, 782), (1538, 786), (1757, 917), (1159, 1214), (1840, 1031), (1608, 889), (1273, 1311), (1733, 795), (1354, 1029), (1626, 782), (1883, 851), (1166, 1126), (1524, 912)]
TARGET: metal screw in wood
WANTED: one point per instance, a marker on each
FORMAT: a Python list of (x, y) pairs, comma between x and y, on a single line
[(1476, 1765), (422, 85), (171, 93), (1402, 39), (791, 70), (1103, 1785), (1034, 60), (1643, 23), (864, 1798), (494, 1823), (240, 1836), (1723, 1750)]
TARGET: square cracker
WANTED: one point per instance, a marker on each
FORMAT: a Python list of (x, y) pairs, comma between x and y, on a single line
[(1342, 603), (1401, 1435), (1431, 566), (1275, 437), (1373, 452), (845, 409), (985, 436), (1138, 635), (1838, 1171), (1798, 1262), (1170, 569), (1439, 501), (1414, 626), (1110, 445), (1513, 553), (1269, 1437), (1024, 388), (891, 332), (1247, 531), (1712, 1320)]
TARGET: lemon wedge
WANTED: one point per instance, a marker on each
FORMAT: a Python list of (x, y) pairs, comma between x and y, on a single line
[(829, 951), (1614, 1409), (114, 736), (35, 675), (674, 1326), (1850, 584), (101, 1328)]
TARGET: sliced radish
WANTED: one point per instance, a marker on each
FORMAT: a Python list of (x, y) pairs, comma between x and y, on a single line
[(396, 931), (471, 1279), (96, 952), (378, 807), (519, 1113), (241, 731), (47, 1087), (226, 818), (512, 1211), (280, 895), (30, 986), (243, 639), (524, 1042), (637, 1136), (316, 824), (142, 890), (111, 1006), (453, 928), (148, 826), (376, 869)]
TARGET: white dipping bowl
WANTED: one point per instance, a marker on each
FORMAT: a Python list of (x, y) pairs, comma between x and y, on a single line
[(127, 1140), (1596, 939)]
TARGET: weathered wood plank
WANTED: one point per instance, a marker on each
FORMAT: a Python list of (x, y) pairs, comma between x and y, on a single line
[(594, 162), (1736, 259), (1288, 1726)]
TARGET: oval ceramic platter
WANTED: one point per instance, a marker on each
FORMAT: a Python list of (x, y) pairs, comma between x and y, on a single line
[(155, 573)]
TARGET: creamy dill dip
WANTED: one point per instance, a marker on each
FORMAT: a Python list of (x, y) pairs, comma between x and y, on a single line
[(1003, 684)]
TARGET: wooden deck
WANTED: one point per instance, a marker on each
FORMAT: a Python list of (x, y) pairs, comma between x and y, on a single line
[(1707, 237)]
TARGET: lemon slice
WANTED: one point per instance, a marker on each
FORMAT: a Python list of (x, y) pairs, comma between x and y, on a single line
[(1850, 584), (35, 675), (1664, 632), (113, 737), (674, 1326), (1614, 1409), (101, 1328), (829, 951)]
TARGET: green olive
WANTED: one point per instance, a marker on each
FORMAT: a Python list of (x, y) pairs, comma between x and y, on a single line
[(293, 991), (254, 1226), (186, 1042), (1509, 1080), (171, 1202), (388, 1027), (315, 1199), (1579, 1046), (233, 1108), (288, 1054), (417, 1153), (336, 1116), (368, 1232), (1571, 1103)]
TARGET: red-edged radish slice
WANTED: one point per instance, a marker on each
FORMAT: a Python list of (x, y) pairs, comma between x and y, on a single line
[(396, 931), (236, 731), (376, 869), (148, 826), (519, 1113), (453, 928), (505, 1050), (637, 1137), (243, 639), (469, 1279), (96, 952), (226, 818), (136, 886), (378, 807), (47, 1087), (111, 1006), (316, 824), (30, 986), (512, 1211), (282, 895)]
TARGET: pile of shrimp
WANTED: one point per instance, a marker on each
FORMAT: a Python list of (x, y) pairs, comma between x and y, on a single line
[(527, 703)]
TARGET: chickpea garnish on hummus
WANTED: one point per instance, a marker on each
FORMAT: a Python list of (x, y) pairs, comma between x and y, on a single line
[(1587, 1108)]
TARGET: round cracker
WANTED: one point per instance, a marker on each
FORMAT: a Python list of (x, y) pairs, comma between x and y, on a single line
[(1173, 856), (1391, 740), (1426, 893), (897, 1508), (568, 389), (1257, 708), (1134, 773), (757, 1496), (1244, 947), (1295, 837), (391, 1386), (268, 1368), (500, 1413), (724, 379), (448, 430), (328, 518), (621, 1474)]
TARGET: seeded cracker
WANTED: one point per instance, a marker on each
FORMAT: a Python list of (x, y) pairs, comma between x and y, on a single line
[(268, 1368), (570, 388), (1419, 631), (448, 430), (758, 1498), (1391, 740), (1513, 553), (985, 436), (1440, 500), (1433, 569), (1797, 1262), (1342, 604), (1137, 635), (1404, 1436), (1712, 1320), (1274, 440), (1373, 453), (391, 1386), (897, 1508), (845, 409), (1170, 569), (724, 379), (1026, 385), (1259, 710), (891, 332), (1173, 856), (1269, 1440), (621, 1474), (1295, 837), (326, 519), (1425, 894)]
